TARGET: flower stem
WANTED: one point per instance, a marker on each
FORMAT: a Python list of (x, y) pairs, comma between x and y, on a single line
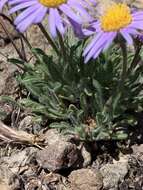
[(63, 49), (124, 67), (48, 37), (124, 51), (136, 58), (29, 45), (20, 35), (12, 41)]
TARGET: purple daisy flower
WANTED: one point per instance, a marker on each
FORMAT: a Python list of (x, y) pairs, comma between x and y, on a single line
[(34, 11), (118, 19)]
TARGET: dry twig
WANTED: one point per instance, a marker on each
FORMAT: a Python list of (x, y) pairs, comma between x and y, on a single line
[(8, 135)]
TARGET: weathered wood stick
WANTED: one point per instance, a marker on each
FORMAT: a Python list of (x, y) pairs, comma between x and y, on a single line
[(11, 135)]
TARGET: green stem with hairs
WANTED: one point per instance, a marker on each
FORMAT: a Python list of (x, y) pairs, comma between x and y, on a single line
[(136, 58), (62, 46), (48, 37), (124, 66)]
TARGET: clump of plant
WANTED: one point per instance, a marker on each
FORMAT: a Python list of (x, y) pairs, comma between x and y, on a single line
[(90, 85)]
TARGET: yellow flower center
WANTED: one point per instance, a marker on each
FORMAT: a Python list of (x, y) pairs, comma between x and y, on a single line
[(116, 17), (52, 3)]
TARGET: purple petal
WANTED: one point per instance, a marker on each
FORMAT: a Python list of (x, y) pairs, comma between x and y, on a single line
[(52, 23), (126, 36)]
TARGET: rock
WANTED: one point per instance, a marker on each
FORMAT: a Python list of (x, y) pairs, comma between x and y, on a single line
[(5, 110), (26, 124), (7, 81), (86, 179), (18, 162), (46, 182), (52, 136), (58, 156), (5, 176), (138, 151), (114, 173), (86, 155), (33, 183), (55, 181), (8, 180), (59, 153), (29, 125), (4, 186), (8, 87)]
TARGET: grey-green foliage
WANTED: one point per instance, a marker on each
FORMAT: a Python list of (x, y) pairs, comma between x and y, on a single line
[(69, 93), (2, 114)]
